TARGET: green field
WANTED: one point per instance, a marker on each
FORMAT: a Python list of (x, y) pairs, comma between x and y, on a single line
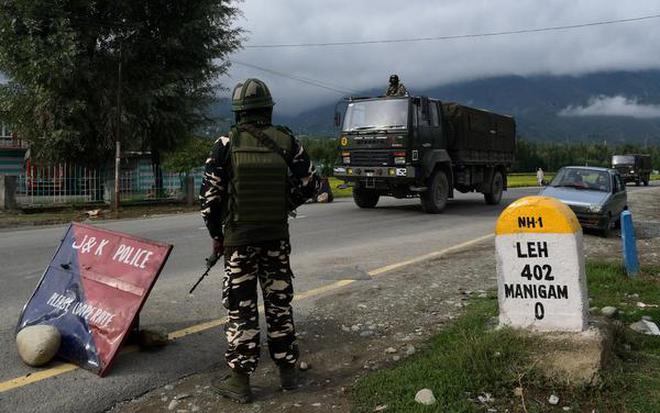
[(468, 359), (515, 181)]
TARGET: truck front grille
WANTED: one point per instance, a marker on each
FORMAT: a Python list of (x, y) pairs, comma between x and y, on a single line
[(371, 158)]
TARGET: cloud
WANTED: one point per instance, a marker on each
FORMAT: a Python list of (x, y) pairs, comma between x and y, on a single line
[(613, 106), (421, 65)]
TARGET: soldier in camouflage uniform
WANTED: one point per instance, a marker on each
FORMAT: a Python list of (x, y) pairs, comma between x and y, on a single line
[(396, 88), (245, 190)]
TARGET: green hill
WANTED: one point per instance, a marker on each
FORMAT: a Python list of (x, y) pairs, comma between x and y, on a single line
[(536, 103)]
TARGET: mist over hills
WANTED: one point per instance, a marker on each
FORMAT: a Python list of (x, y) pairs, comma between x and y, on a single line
[(617, 107)]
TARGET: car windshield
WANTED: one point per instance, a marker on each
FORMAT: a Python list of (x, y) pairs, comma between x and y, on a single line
[(589, 179), (623, 160), (376, 114)]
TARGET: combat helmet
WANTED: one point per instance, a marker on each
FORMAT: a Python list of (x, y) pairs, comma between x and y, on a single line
[(251, 94), (394, 78)]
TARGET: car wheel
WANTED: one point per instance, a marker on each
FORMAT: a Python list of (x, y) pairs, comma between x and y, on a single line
[(495, 196), (365, 198), (606, 230), (434, 199)]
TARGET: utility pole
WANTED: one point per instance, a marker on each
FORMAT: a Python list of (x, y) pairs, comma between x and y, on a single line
[(118, 135)]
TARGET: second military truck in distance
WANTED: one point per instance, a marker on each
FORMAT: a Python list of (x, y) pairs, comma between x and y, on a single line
[(420, 147), (633, 168)]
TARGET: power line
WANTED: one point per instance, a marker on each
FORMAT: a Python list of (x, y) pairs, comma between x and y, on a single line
[(312, 82), (456, 36)]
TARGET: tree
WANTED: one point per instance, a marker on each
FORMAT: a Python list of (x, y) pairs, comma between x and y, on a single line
[(83, 73), (188, 156)]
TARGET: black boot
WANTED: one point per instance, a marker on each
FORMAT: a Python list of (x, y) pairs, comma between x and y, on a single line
[(236, 387), (288, 377)]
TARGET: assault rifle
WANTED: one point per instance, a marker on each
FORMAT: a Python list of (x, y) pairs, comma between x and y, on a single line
[(210, 262)]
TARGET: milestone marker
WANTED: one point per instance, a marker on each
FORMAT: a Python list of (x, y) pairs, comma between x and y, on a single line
[(540, 266)]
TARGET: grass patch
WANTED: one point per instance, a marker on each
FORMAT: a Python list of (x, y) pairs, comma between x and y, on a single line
[(467, 359), (339, 193), (514, 181), (519, 180)]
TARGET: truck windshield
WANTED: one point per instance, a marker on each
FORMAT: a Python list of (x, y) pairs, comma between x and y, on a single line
[(623, 160), (376, 114)]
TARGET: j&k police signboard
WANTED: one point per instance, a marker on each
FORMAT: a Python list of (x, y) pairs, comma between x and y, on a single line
[(540, 266), (92, 291)]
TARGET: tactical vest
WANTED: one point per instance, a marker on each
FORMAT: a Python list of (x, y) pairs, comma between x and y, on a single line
[(258, 188)]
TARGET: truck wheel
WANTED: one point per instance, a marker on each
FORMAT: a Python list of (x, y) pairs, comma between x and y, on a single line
[(365, 198), (495, 195), (434, 199)]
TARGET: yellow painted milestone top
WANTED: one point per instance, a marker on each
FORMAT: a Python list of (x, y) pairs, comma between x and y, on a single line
[(537, 214)]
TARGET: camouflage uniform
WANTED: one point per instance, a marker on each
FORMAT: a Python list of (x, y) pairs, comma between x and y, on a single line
[(396, 90), (254, 253), (267, 263)]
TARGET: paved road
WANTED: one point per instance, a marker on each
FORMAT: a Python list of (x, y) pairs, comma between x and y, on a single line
[(330, 242)]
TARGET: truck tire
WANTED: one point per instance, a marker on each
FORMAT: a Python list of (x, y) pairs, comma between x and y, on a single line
[(434, 199), (497, 186), (365, 198)]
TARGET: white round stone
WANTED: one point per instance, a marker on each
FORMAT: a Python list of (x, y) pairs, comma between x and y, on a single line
[(37, 345), (609, 311), (425, 397)]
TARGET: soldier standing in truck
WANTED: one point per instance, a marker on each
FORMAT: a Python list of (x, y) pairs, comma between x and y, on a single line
[(396, 88)]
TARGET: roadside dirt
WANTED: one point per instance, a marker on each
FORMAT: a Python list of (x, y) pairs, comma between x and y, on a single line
[(376, 323), (645, 208), (90, 214), (346, 335)]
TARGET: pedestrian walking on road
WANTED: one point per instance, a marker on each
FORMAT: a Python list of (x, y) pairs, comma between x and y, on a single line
[(252, 180), (396, 88), (540, 177)]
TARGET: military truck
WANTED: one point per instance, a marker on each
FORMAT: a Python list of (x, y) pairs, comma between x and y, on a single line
[(633, 168), (408, 147)]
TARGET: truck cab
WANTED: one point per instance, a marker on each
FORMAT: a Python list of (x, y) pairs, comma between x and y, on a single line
[(633, 168), (409, 147)]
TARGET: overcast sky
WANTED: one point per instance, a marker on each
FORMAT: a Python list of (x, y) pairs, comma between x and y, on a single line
[(624, 46)]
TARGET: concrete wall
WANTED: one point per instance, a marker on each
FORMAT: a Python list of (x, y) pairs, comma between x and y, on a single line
[(7, 192)]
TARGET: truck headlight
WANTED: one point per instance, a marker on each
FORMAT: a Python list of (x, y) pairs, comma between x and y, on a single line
[(595, 208), (632, 172), (400, 160), (346, 159)]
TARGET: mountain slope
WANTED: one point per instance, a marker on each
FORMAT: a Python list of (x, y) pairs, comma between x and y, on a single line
[(536, 102)]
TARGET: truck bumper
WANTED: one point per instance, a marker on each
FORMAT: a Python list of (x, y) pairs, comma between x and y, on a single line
[(630, 177), (355, 173)]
